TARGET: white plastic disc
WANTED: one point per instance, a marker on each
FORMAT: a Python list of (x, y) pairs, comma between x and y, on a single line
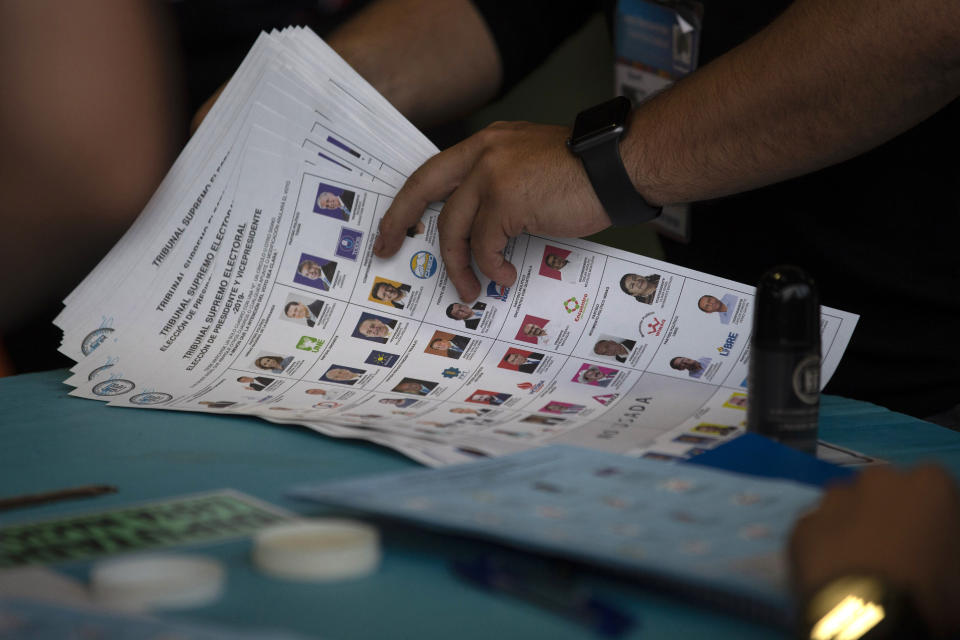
[(157, 581), (317, 550)]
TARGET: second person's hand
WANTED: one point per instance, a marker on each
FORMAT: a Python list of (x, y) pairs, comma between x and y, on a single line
[(509, 178)]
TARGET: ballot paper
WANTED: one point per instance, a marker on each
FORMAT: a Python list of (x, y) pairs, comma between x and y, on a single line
[(248, 285), (718, 535)]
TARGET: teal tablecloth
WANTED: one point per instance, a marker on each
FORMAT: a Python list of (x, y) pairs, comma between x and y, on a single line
[(50, 441)]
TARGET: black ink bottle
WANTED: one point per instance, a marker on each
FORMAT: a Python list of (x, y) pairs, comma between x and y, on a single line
[(784, 378)]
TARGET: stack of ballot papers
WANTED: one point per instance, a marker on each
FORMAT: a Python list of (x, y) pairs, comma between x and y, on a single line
[(248, 286)]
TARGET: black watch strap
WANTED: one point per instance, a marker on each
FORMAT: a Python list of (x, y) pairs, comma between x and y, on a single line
[(613, 186)]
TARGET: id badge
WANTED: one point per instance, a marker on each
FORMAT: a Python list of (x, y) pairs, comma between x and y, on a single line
[(657, 42)]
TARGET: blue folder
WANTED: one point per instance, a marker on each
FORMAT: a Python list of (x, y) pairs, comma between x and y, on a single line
[(755, 455)]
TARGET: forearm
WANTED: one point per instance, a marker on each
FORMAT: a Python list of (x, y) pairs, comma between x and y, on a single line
[(86, 132), (89, 94), (827, 80), (432, 59)]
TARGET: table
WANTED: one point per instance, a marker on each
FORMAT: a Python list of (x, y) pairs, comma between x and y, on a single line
[(52, 441)]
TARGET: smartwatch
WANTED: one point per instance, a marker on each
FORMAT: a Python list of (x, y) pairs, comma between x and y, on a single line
[(596, 141)]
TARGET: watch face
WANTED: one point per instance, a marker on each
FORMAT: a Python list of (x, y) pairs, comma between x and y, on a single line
[(600, 123)]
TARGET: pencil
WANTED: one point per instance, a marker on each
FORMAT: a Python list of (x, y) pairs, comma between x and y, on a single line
[(72, 493)]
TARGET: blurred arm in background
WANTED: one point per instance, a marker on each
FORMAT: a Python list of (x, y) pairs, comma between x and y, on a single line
[(434, 60), (89, 124)]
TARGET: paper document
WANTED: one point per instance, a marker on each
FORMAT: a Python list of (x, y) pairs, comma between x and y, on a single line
[(248, 285), (696, 527)]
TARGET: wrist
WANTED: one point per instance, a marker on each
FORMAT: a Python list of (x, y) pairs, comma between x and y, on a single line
[(595, 140), (641, 167)]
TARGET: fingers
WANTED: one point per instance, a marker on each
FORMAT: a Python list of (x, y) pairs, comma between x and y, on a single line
[(933, 477), (204, 109), (467, 176), (467, 226), (433, 181), (454, 225), (488, 239)]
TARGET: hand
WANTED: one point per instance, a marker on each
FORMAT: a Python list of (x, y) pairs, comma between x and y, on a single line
[(901, 525), (510, 178), (204, 109)]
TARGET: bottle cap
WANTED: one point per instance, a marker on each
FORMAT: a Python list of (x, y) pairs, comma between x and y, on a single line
[(787, 312), (157, 581), (317, 550)]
